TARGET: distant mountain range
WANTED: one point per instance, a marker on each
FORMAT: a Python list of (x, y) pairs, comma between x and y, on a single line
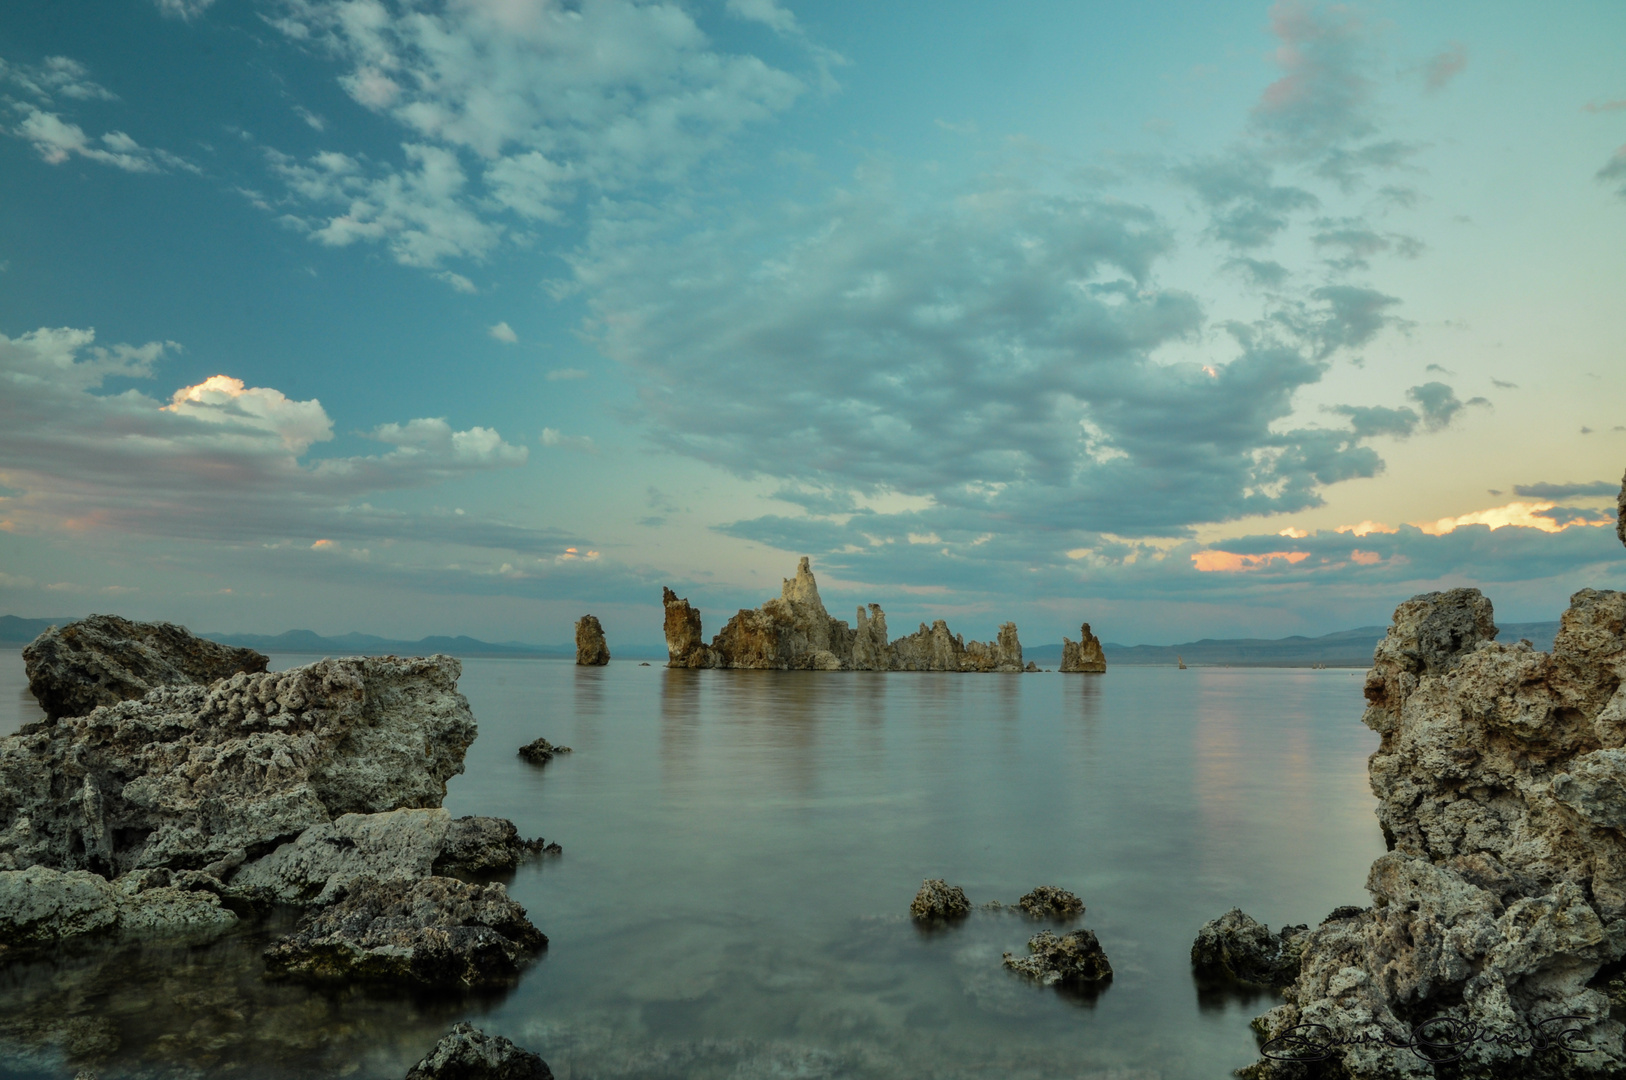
[(1346, 648)]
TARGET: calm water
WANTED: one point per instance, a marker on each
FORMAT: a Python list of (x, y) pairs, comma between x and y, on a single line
[(740, 849)]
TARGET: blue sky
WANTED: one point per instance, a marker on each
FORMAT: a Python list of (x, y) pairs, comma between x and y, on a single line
[(1184, 319)]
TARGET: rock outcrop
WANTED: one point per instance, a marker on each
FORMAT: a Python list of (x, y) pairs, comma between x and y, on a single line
[(434, 932), (39, 906), (794, 632), (1620, 511), (1084, 654), (1239, 948), (196, 778), (104, 660), (1501, 905), (484, 845), (1050, 902), (467, 1053), (591, 650), (541, 751), (320, 864), (1075, 958), (937, 900)]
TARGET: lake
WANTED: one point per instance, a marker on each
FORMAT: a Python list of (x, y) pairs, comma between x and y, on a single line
[(740, 850)]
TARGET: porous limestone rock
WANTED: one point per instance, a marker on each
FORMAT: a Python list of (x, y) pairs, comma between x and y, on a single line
[(434, 932), (40, 905), (467, 1053), (103, 660), (1084, 654), (541, 751), (871, 651), (483, 845), (791, 632), (318, 866), (1501, 780), (202, 779), (1235, 946), (591, 650), (937, 900), (1075, 957), (685, 647), (1050, 902)]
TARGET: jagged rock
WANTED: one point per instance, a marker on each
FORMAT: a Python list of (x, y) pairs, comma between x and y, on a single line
[(939, 900), (40, 905), (541, 751), (871, 652), (1049, 902), (202, 779), (1075, 957), (320, 864), (435, 932), (934, 649), (685, 647), (1501, 780), (1235, 946), (484, 845), (104, 660), (467, 1053), (1620, 511), (1084, 654), (792, 631), (591, 650)]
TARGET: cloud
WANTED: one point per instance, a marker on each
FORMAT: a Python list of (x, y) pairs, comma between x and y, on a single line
[(185, 10), (58, 140), (767, 12), (562, 374), (220, 460), (1359, 243), (1439, 404), (1263, 273), (512, 110), (1566, 491), (1535, 515), (1444, 66), (57, 77), (555, 437), (1604, 106), (1248, 209), (503, 332), (1614, 171)]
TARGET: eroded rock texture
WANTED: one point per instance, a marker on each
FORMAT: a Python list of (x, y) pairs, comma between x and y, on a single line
[(541, 751), (1050, 902), (104, 660), (433, 932), (1084, 654), (591, 650), (1235, 946), (794, 632), (1620, 511), (1075, 957), (1502, 785), (467, 1053), (938, 900)]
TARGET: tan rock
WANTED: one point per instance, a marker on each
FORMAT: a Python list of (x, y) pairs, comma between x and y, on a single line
[(591, 650), (1620, 511), (1084, 654), (685, 648)]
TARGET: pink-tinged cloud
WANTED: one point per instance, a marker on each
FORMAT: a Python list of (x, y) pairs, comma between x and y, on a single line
[(1365, 558), (1530, 515), (1365, 528), (1214, 561)]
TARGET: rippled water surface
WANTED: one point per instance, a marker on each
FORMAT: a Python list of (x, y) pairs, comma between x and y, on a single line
[(740, 849)]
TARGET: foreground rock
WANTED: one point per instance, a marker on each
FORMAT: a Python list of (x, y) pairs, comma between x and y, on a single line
[(1502, 905), (1084, 654), (1074, 958), (467, 1053), (193, 777), (591, 650), (40, 905), (1049, 902), (541, 751), (485, 845), (1236, 947), (794, 632), (104, 660), (434, 932), (938, 900)]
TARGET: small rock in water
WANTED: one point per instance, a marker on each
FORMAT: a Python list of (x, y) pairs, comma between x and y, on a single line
[(1075, 957), (436, 932), (939, 900), (591, 651), (1049, 902), (541, 751), (1235, 946), (467, 1053)]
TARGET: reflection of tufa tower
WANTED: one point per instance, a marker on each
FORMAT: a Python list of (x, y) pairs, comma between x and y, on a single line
[(1083, 655)]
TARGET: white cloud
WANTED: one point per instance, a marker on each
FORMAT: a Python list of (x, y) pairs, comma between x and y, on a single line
[(560, 374), (503, 332), (767, 12), (56, 139), (220, 460), (185, 10), (556, 438)]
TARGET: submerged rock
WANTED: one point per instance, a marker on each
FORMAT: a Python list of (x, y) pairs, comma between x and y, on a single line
[(1501, 780), (1084, 654), (1235, 946), (435, 932), (195, 778), (467, 1053), (1075, 957), (541, 751), (104, 660), (937, 899), (1050, 902), (591, 650)]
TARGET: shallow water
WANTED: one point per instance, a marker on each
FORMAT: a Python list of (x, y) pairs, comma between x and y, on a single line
[(740, 849)]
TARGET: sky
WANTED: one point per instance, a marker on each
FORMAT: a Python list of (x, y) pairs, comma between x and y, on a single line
[(1183, 319)]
